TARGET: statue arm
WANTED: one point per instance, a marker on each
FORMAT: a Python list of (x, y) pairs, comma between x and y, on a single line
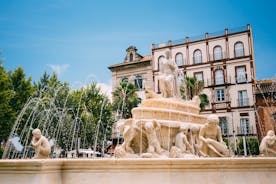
[(201, 135), (37, 143), (219, 136)]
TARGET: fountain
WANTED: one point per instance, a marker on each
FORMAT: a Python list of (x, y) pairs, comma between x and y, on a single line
[(166, 141)]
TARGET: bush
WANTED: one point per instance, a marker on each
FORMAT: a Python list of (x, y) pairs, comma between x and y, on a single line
[(1, 152), (252, 146)]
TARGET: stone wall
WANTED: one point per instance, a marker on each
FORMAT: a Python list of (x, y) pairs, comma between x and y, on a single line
[(136, 171)]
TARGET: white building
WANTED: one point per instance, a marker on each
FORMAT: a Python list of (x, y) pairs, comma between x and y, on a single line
[(224, 61)]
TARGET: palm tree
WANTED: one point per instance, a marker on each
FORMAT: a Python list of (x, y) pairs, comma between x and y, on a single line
[(193, 87), (125, 99)]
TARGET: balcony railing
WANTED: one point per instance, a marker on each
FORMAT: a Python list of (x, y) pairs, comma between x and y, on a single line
[(243, 102), (241, 79), (218, 81), (203, 36), (239, 52), (218, 56), (237, 29), (245, 131)]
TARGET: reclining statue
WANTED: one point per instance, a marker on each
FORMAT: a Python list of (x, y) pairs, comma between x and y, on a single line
[(268, 144), (41, 145), (211, 143)]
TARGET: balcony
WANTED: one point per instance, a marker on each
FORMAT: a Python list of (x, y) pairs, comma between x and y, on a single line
[(219, 81), (245, 131), (226, 105), (241, 79), (243, 102), (218, 56), (239, 53)]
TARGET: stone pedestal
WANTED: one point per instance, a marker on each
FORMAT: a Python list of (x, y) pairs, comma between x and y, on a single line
[(137, 171)]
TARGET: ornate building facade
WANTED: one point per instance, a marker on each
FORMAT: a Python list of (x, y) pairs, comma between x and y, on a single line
[(135, 68), (224, 61)]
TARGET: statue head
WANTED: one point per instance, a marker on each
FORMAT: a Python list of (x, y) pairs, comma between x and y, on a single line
[(185, 129), (167, 54), (149, 126), (270, 133), (213, 120), (36, 133)]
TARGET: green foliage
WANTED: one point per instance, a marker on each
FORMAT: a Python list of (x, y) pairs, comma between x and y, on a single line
[(1, 151), (61, 113), (125, 99), (91, 114), (22, 88), (7, 115), (252, 145), (193, 87), (203, 101)]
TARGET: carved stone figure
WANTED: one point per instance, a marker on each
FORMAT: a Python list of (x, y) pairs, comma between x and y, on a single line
[(181, 141), (40, 144), (153, 143), (168, 77), (128, 130), (195, 138), (211, 140), (120, 152), (268, 144)]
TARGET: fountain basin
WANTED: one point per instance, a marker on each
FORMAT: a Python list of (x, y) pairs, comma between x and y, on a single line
[(259, 170)]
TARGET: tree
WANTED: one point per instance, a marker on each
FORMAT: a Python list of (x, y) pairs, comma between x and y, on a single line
[(22, 89), (125, 99), (193, 87), (90, 119), (7, 114)]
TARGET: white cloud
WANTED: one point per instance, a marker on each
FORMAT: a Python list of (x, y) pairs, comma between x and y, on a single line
[(59, 69), (106, 89)]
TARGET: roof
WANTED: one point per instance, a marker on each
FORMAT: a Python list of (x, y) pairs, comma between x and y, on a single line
[(266, 86), (144, 59)]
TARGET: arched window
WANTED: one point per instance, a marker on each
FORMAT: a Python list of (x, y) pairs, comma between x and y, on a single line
[(179, 59), (125, 79), (197, 56), (159, 61), (239, 49), (217, 53), (219, 77), (130, 57), (138, 82)]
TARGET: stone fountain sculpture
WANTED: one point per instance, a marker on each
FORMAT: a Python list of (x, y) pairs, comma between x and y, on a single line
[(167, 126), (268, 145), (41, 145)]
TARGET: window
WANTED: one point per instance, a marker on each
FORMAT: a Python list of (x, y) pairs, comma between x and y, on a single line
[(125, 79), (199, 76), (241, 74), (223, 125), (130, 57), (243, 98), (160, 59), (220, 95), (179, 59), (197, 56), (138, 82), (239, 49), (244, 126), (217, 53), (219, 77)]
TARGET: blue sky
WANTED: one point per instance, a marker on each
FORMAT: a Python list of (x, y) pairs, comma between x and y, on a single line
[(80, 39)]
